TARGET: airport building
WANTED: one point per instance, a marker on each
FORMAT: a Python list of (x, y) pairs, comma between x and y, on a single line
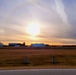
[(1, 45), (16, 44), (41, 45)]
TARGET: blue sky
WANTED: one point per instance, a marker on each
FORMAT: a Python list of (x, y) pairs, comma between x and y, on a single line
[(57, 20)]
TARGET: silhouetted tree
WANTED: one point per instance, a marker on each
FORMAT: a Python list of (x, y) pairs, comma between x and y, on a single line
[(23, 43)]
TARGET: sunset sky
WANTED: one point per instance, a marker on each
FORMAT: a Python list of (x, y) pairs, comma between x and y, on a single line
[(38, 21)]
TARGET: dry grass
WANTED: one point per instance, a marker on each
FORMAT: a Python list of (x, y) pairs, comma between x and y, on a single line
[(38, 57)]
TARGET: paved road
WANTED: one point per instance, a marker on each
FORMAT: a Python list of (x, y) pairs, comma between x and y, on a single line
[(39, 72)]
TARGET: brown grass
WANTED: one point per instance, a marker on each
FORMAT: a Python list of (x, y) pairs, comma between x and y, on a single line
[(38, 57)]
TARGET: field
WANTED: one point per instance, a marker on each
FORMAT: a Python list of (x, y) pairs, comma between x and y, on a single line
[(37, 58)]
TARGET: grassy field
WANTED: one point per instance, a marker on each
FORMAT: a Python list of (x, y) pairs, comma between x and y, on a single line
[(13, 57)]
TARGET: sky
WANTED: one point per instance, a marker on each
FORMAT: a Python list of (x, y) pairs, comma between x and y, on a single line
[(56, 20)]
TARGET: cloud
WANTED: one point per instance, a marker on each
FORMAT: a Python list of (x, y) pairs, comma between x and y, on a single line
[(70, 9), (56, 18), (61, 11)]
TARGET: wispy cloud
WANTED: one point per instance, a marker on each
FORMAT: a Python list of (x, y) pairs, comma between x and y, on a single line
[(56, 19), (61, 11)]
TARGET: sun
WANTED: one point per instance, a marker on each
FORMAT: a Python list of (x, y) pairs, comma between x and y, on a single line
[(33, 29)]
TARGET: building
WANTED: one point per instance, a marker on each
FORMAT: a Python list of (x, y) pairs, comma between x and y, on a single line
[(16, 44), (41, 45), (1, 45)]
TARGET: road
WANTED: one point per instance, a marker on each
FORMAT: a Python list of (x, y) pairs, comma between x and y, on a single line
[(39, 72)]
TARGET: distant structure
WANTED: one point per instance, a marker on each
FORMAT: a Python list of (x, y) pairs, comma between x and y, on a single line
[(41, 45), (1, 45), (16, 44)]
